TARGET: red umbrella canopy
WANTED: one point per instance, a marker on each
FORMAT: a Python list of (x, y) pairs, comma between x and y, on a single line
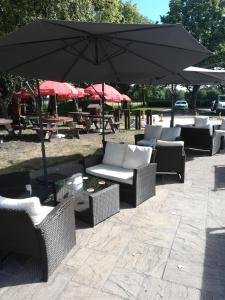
[(51, 88), (81, 92), (96, 89), (112, 98), (125, 97), (22, 95)]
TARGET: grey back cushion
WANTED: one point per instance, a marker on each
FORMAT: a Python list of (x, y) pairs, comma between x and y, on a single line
[(170, 134), (152, 132)]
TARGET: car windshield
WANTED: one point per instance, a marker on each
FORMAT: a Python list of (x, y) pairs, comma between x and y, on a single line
[(181, 102)]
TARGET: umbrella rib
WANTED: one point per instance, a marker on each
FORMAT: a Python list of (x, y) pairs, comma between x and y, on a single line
[(75, 62), (155, 44), (151, 27), (40, 56), (113, 55), (67, 26), (110, 63), (113, 32), (142, 57), (42, 41)]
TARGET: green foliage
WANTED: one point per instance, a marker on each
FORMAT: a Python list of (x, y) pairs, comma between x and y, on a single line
[(205, 20)]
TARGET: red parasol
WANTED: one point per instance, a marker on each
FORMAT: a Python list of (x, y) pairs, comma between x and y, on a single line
[(112, 98), (22, 95), (96, 89), (125, 98)]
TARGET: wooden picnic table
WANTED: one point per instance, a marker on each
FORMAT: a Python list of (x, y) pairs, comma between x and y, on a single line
[(108, 120), (52, 119)]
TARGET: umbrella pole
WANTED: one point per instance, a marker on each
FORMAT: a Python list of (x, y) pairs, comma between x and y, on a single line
[(173, 90), (42, 136), (103, 115)]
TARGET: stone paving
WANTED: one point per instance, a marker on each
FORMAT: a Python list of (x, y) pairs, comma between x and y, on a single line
[(171, 247)]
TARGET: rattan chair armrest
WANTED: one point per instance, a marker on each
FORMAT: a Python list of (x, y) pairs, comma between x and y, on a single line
[(92, 160), (138, 137), (59, 209)]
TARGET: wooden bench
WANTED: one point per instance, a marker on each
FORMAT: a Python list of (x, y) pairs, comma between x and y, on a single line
[(74, 129), (47, 132)]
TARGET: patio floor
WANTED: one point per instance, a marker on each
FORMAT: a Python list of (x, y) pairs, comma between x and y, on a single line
[(171, 247)]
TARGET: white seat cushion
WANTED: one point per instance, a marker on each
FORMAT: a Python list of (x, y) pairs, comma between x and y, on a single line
[(112, 173), (114, 154), (220, 132), (170, 143), (170, 134), (31, 205), (152, 132), (136, 156), (148, 143), (201, 121)]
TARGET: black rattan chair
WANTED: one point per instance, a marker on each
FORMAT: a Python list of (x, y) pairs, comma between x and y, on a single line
[(171, 159), (15, 185), (49, 241), (200, 138)]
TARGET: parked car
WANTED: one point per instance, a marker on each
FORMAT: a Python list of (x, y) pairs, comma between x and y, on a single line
[(181, 104), (219, 104)]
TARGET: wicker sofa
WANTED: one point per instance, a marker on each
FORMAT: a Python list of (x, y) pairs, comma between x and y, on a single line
[(136, 181), (47, 237)]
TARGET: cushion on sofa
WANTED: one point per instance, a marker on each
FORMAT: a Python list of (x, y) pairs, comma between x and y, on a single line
[(112, 173), (147, 143), (170, 143), (31, 205), (201, 121), (170, 134), (136, 156), (114, 154), (152, 132)]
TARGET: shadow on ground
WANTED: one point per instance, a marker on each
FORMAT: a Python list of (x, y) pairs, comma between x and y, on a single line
[(213, 277)]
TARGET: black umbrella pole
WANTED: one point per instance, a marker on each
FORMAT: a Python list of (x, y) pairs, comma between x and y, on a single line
[(103, 116), (42, 136), (172, 111)]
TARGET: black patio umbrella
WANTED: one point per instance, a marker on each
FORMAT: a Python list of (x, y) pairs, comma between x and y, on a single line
[(98, 52), (192, 76)]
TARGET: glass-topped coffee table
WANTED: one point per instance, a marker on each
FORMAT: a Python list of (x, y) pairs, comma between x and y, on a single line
[(95, 199)]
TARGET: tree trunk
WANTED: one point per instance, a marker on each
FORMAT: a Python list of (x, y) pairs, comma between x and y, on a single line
[(3, 108), (194, 96)]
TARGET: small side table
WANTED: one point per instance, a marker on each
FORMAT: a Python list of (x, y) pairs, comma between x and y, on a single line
[(95, 199)]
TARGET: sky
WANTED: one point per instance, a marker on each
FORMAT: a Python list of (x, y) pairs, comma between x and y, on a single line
[(152, 8)]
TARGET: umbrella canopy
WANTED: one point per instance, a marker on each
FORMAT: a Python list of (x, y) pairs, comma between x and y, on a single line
[(81, 93), (102, 89), (52, 88), (98, 52), (125, 98), (108, 98), (22, 95), (195, 76)]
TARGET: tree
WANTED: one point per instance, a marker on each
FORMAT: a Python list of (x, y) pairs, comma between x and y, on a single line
[(205, 20), (15, 14)]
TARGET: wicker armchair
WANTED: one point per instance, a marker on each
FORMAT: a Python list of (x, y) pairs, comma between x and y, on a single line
[(49, 241), (143, 186)]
